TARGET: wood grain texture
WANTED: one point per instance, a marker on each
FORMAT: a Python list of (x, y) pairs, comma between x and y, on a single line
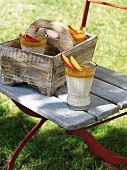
[(99, 107), (111, 77), (106, 100), (56, 33), (110, 93), (51, 108), (45, 72)]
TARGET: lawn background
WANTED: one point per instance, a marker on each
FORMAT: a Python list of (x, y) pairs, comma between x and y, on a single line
[(51, 148)]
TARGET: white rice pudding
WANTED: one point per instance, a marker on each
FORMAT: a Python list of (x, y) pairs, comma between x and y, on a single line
[(34, 49), (79, 86), (78, 91), (37, 47)]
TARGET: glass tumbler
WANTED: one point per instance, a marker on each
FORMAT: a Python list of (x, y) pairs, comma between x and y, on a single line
[(79, 84)]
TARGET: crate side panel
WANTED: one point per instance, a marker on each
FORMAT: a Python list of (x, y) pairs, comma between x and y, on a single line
[(18, 66), (81, 52), (44, 72)]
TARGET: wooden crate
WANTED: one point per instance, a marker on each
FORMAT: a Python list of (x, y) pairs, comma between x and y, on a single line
[(45, 72)]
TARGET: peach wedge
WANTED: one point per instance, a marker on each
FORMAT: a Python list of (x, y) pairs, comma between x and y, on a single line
[(78, 35), (66, 61), (75, 63), (72, 31)]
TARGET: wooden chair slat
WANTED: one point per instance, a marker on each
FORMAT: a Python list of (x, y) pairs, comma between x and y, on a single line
[(51, 108), (112, 77), (99, 108), (110, 93)]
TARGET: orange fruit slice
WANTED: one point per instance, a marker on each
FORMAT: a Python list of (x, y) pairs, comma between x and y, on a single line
[(72, 30), (66, 61), (74, 63)]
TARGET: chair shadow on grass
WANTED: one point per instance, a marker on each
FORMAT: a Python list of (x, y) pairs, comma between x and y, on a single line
[(51, 148)]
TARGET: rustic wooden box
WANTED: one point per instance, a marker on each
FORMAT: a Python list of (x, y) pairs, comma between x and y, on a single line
[(45, 72)]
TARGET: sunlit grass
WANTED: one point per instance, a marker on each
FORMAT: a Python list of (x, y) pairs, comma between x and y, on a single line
[(51, 148)]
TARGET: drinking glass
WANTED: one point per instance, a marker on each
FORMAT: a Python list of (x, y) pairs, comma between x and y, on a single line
[(79, 84)]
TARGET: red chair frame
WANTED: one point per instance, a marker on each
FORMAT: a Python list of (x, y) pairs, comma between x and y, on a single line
[(109, 157), (86, 9)]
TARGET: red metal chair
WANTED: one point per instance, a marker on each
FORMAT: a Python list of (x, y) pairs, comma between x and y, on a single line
[(109, 157), (86, 9)]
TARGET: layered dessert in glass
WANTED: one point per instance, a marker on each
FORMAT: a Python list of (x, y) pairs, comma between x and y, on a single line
[(79, 84), (33, 44)]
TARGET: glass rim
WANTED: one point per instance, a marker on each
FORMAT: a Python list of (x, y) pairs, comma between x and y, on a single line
[(92, 65)]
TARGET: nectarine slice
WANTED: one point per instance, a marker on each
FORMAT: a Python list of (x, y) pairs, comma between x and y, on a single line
[(79, 36), (72, 31), (74, 63), (66, 61), (33, 38), (28, 38)]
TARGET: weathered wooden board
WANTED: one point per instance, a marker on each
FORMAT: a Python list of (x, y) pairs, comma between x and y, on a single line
[(104, 100), (57, 34), (44, 72), (111, 77), (51, 108), (110, 93), (99, 108)]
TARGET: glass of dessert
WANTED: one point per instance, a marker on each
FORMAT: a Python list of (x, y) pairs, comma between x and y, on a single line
[(33, 44), (79, 80), (77, 34)]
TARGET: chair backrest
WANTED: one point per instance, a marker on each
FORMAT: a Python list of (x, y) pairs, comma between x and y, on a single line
[(86, 9)]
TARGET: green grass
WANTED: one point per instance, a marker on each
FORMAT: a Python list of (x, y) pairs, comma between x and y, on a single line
[(51, 148)]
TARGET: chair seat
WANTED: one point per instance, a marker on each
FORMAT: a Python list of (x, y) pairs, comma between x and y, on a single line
[(108, 96)]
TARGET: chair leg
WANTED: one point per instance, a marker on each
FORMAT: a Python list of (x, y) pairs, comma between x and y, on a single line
[(90, 148), (110, 166), (23, 142), (107, 155)]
